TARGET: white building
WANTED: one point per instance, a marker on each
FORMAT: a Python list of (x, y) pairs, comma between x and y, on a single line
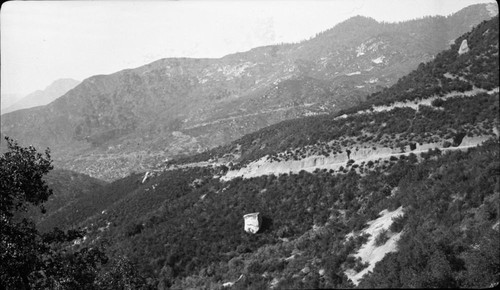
[(252, 222)]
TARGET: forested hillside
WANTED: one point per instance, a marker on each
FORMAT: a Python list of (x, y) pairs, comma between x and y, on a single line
[(450, 70), (111, 125), (68, 188), (432, 156), (449, 73), (184, 228)]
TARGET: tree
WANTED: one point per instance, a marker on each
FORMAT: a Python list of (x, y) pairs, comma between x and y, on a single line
[(21, 171), (121, 274), (482, 262), (31, 259)]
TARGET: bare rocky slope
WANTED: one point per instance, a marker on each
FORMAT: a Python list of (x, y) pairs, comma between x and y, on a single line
[(110, 125)]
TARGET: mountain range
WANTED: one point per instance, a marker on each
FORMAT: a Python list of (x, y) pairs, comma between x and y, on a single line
[(9, 99), (132, 120), (399, 191), (43, 97)]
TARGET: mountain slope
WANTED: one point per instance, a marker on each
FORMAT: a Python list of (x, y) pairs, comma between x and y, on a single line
[(449, 75), (133, 119), (69, 188), (434, 198), (43, 97), (185, 229)]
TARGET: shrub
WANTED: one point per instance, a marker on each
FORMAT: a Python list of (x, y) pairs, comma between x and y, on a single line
[(398, 223), (350, 262), (284, 232), (381, 238), (437, 102), (255, 267), (133, 229), (361, 239), (360, 265)]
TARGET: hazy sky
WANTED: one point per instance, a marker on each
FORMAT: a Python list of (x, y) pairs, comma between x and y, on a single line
[(42, 41)]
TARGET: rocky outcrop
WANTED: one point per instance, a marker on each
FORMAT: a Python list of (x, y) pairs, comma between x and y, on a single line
[(145, 177), (464, 48)]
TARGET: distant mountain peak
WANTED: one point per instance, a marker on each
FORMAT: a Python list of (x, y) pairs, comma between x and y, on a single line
[(184, 105), (355, 22), (43, 97), (360, 18), (64, 81)]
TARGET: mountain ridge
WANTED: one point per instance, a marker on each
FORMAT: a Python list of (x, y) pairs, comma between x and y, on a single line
[(421, 211), (432, 84), (43, 97), (165, 108)]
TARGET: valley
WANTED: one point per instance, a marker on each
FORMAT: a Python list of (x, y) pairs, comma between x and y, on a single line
[(370, 154), (180, 106)]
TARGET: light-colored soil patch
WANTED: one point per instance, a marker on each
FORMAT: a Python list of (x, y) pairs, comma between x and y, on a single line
[(265, 167), (425, 102), (370, 252)]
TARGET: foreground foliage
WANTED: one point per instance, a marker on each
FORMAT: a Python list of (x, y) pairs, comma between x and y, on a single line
[(31, 259)]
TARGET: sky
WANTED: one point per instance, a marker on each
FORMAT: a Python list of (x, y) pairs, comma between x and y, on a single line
[(42, 41)]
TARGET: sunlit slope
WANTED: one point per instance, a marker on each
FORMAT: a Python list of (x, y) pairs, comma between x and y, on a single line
[(112, 124)]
